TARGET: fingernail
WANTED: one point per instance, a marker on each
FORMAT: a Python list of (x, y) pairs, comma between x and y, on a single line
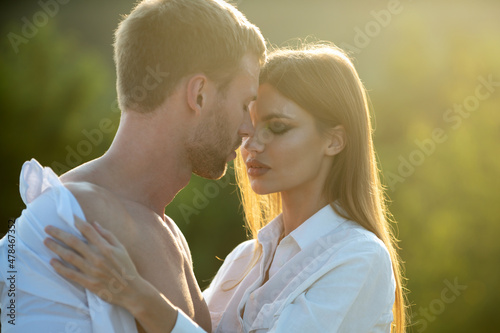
[(49, 229)]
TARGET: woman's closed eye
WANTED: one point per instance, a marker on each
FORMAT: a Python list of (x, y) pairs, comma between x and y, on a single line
[(278, 127)]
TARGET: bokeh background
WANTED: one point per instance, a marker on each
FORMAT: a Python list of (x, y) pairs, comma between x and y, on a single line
[(432, 69)]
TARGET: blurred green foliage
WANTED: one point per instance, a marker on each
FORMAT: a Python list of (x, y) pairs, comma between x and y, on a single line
[(425, 66), (52, 91)]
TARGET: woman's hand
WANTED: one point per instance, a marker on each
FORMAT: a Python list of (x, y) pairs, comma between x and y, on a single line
[(102, 266)]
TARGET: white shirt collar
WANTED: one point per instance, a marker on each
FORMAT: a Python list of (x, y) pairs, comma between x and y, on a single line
[(322, 222), (272, 231)]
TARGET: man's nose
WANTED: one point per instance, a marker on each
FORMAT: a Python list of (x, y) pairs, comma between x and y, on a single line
[(246, 129)]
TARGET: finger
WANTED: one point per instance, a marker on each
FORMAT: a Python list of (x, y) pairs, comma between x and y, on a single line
[(67, 255), (106, 234), (71, 241), (93, 236), (74, 275), (90, 233)]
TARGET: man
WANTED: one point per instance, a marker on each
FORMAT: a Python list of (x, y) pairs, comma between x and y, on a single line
[(186, 72)]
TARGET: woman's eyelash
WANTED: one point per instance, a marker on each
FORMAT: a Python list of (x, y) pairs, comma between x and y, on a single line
[(277, 127)]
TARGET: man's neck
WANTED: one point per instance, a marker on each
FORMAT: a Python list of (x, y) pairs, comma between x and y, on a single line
[(146, 164), (151, 184)]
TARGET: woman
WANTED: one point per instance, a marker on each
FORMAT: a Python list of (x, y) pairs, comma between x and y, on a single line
[(327, 261)]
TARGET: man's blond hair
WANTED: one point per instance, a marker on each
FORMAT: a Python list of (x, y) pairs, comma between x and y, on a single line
[(162, 41)]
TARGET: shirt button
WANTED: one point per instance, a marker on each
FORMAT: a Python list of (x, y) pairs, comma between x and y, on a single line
[(252, 297)]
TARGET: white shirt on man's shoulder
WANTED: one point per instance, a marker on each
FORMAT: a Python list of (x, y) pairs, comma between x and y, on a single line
[(45, 301)]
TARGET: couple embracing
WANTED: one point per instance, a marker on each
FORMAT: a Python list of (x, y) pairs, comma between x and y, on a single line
[(96, 253)]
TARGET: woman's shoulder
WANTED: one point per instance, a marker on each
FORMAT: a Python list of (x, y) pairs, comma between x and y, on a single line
[(357, 241)]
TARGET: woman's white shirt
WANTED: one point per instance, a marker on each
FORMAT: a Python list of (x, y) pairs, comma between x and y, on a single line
[(328, 275)]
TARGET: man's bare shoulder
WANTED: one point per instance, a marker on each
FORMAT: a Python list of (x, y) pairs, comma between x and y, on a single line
[(170, 223), (99, 204)]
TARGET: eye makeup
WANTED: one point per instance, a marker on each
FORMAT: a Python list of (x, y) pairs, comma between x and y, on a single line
[(278, 127)]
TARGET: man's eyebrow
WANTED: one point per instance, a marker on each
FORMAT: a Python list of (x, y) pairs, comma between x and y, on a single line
[(275, 115)]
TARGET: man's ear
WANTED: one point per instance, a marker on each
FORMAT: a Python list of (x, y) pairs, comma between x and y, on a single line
[(336, 140), (197, 92)]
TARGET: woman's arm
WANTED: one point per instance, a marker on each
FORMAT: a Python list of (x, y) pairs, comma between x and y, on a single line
[(104, 267)]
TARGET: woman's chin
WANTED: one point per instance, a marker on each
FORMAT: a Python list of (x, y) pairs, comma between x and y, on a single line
[(259, 189)]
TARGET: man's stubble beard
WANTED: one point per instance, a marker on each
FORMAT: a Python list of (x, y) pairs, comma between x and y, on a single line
[(209, 149)]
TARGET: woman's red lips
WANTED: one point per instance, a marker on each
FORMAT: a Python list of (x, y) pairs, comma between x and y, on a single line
[(256, 168)]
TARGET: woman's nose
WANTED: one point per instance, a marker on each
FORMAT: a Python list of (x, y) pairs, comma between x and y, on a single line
[(256, 142)]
